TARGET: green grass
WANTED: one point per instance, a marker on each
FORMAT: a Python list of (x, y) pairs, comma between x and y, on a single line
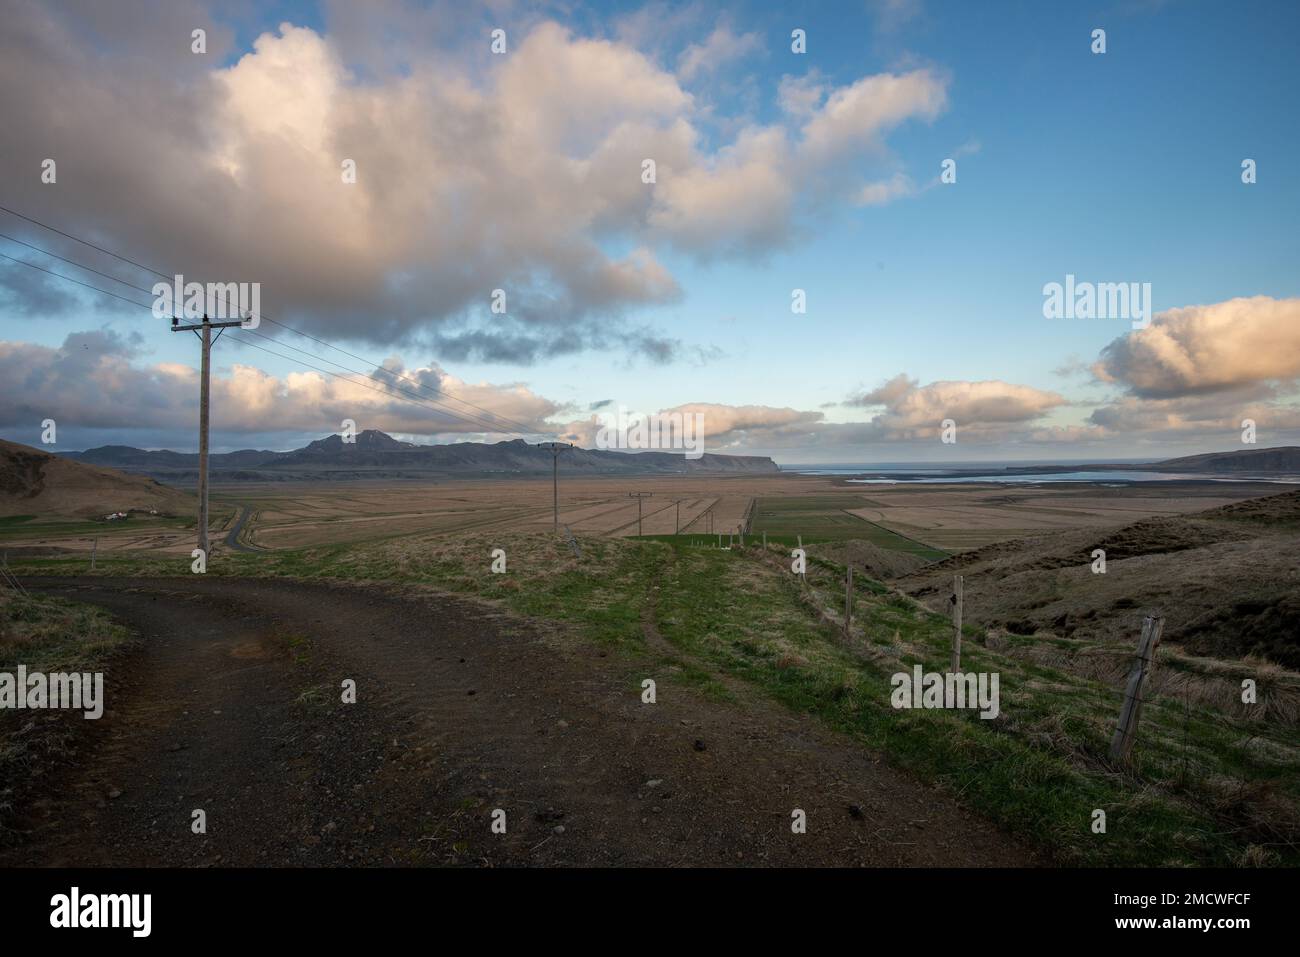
[(48, 635), (1031, 784), (28, 526), (1205, 789), (824, 518)]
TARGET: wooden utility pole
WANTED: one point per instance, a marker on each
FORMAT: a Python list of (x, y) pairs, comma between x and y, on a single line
[(555, 448), (205, 337), (678, 529), (1121, 744), (956, 623), (848, 600), (638, 496)]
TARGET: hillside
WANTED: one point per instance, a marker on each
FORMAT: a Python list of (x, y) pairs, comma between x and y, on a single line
[(33, 482), (377, 455), (1280, 459), (1227, 581)]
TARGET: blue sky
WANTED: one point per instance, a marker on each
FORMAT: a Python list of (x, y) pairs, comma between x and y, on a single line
[(1114, 167)]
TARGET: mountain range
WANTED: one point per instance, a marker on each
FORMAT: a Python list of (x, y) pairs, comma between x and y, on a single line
[(377, 455)]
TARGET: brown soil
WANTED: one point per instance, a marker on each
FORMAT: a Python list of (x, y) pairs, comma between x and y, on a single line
[(232, 705)]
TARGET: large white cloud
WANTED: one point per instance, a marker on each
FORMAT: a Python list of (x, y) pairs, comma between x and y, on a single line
[(474, 172), (987, 409), (1203, 370), (1207, 348)]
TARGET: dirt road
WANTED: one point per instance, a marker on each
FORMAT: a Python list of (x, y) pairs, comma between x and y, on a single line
[(232, 706)]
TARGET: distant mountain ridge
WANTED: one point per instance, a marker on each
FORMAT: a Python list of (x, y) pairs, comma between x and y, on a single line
[(376, 454), (1284, 458)]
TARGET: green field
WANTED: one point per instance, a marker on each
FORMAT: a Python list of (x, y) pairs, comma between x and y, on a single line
[(823, 518)]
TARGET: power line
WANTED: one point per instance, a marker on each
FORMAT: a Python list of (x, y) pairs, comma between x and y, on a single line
[(412, 397), (524, 429), (70, 262), (57, 275), (420, 400), (434, 404)]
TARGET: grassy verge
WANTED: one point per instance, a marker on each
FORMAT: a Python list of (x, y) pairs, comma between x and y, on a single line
[(47, 635), (1208, 786)]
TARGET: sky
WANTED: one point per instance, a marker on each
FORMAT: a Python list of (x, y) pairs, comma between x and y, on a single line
[(381, 171)]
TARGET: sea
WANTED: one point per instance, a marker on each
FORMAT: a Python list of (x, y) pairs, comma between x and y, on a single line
[(1025, 472)]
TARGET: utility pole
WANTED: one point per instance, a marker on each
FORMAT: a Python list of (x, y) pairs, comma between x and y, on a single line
[(956, 599), (678, 503), (638, 496), (207, 325), (555, 448)]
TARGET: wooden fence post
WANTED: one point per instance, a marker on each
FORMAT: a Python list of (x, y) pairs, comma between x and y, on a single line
[(94, 547), (573, 543), (1121, 746), (956, 623)]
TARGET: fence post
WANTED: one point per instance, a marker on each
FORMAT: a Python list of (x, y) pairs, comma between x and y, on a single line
[(1126, 731), (94, 547), (573, 543), (956, 623)]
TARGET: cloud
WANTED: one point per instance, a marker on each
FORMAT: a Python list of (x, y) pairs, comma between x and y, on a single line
[(857, 116), (912, 414), (1196, 372), (987, 409), (29, 293), (1196, 350), (800, 96), (890, 15), (885, 191), (1219, 415), (95, 381), (473, 173), (721, 47)]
